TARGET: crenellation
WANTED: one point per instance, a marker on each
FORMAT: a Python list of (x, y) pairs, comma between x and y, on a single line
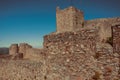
[(69, 19)]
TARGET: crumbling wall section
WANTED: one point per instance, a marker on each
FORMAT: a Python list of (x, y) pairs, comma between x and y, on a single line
[(19, 51), (70, 55), (13, 49), (103, 25), (23, 47), (116, 38), (107, 61), (68, 41)]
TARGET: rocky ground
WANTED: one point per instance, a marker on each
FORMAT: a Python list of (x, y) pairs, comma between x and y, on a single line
[(66, 67), (21, 70)]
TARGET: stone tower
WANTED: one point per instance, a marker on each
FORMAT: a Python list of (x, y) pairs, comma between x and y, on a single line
[(69, 19)]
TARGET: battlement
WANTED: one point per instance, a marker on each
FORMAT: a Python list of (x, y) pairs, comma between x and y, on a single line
[(69, 19)]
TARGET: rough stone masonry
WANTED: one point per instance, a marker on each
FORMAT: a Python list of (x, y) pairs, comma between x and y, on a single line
[(116, 38), (78, 50)]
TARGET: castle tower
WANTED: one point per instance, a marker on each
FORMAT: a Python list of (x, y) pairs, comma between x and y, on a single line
[(69, 19)]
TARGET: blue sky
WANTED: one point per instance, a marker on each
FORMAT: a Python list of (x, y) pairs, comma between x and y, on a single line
[(29, 20)]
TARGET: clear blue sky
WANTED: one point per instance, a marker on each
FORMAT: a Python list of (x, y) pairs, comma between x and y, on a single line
[(29, 20)]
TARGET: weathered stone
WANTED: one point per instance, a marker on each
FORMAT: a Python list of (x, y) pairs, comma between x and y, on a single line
[(71, 53), (70, 19), (116, 38), (21, 70), (35, 54), (23, 47), (13, 49), (103, 25), (17, 56), (76, 46)]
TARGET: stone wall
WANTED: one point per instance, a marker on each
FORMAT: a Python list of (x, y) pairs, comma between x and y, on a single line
[(116, 38), (68, 41), (107, 61), (20, 49), (66, 56), (69, 19), (13, 49), (77, 51), (23, 48), (103, 25), (70, 55), (35, 54), (80, 56)]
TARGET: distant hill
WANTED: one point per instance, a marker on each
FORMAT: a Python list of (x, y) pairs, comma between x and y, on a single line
[(4, 50)]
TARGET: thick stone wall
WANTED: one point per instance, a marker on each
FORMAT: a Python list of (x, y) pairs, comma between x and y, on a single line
[(116, 38), (107, 61), (13, 49), (69, 19), (103, 25), (68, 41), (80, 56), (77, 51), (70, 55)]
